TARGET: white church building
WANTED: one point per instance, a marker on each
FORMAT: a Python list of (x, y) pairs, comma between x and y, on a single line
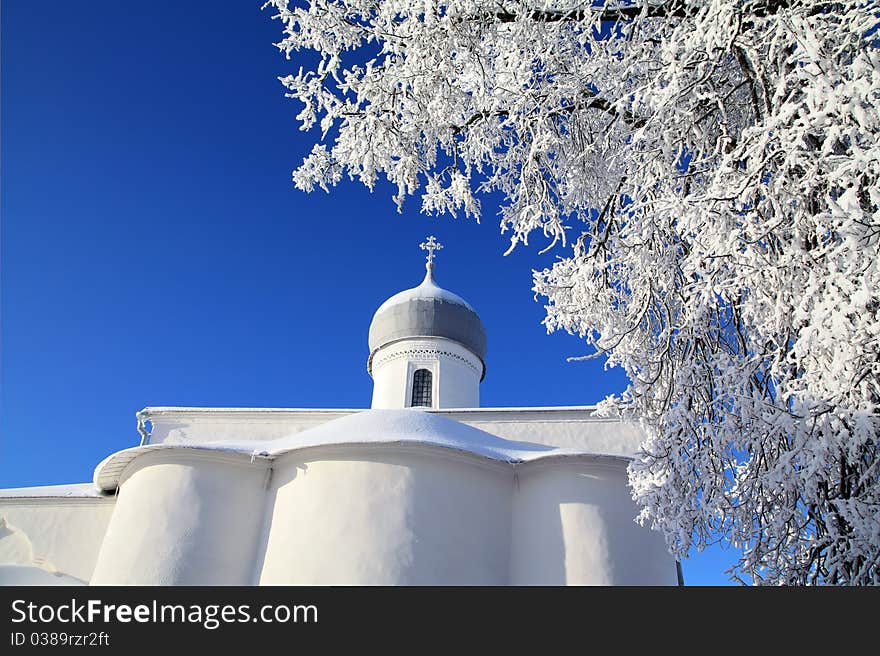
[(424, 488)]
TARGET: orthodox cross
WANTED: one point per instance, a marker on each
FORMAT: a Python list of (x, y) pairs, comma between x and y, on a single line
[(431, 245)]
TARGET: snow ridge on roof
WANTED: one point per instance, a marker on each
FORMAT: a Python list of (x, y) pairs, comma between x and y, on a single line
[(378, 426)]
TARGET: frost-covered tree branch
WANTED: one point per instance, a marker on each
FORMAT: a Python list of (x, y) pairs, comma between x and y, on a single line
[(716, 166)]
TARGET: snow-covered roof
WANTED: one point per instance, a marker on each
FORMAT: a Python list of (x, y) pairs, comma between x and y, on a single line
[(380, 426), (76, 490), (377, 426)]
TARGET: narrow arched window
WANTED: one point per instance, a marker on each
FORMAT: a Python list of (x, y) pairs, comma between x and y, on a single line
[(421, 389)]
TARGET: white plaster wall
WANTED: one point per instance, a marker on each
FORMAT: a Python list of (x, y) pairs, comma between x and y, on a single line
[(609, 437), (389, 384), (59, 536), (388, 515), (194, 425), (459, 385), (352, 514), (573, 525), (456, 373), (574, 428), (184, 519)]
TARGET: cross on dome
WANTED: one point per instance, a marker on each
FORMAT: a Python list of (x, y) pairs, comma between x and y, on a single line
[(431, 245)]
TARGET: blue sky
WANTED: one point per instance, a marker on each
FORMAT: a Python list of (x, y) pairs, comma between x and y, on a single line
[(155, 252)]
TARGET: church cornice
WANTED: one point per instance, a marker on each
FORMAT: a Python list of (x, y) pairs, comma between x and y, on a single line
[(422, 348)]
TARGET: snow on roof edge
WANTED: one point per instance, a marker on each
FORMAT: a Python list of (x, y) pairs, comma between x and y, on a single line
[(161, 409), (68, 491), (107, 481)]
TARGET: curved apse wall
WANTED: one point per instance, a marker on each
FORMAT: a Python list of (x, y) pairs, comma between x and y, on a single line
[(377, 514), (573, 524), (184, 518), (388, 515)]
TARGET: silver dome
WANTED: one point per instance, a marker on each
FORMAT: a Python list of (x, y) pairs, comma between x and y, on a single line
[(427, 311)]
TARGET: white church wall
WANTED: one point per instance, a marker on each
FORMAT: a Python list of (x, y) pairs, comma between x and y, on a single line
[(459, 385), (388, 390), (45, 541), (172, 425), (583, 432), (184, 519), (384, 497), (573, 524), (388, 515), (455, 370), (349, 514)]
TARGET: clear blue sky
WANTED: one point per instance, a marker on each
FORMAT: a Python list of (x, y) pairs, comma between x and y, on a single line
[(155, 252)]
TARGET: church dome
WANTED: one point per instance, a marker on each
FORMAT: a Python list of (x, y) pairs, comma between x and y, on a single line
[(427, 311)]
